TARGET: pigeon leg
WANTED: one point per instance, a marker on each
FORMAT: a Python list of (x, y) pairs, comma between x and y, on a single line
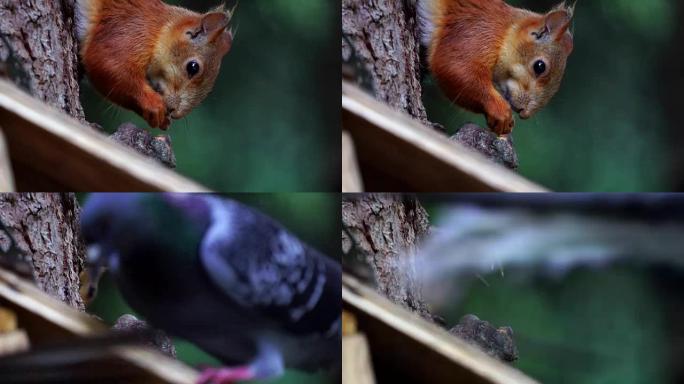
[(225, 375), (268, 364)]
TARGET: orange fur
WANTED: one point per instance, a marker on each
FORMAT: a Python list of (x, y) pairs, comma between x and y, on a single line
[(481, 53), (135, 53)]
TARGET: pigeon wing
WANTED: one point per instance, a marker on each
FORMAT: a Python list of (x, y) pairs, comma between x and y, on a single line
[(262, 267)]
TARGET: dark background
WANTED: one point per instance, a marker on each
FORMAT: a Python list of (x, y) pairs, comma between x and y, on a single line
[(614, 124), (272, 122), (313, 217)]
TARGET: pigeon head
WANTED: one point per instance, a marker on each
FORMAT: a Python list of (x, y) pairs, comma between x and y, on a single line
[(116, 225), (106, 217)]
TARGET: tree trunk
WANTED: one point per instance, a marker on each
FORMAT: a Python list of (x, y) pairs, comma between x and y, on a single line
[(384, 231), (39, 51), (39, 44), (381, 38), (45, 227)]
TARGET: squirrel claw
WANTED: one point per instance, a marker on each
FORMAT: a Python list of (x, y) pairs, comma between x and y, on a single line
[(155, 114), (499, 116), (501, 127), (500, 119), (165, 124)]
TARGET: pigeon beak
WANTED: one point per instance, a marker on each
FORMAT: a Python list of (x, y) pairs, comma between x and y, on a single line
[(96, 266)]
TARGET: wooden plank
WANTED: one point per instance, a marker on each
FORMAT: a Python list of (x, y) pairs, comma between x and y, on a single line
[(406, 348), (351, 175), (48, 144), (415, 158), (49, 320), (356, 360), (13, 342), (6, 176)]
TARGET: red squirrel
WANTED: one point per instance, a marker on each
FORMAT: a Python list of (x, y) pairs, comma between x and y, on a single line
[(155, 59), (492, 58)]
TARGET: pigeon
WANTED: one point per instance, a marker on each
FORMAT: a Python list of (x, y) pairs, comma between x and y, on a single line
[(222, 275)]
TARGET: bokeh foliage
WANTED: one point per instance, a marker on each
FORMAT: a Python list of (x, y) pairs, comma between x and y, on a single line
[(272, 121), (590, 327), (314, 217), (613, 126), (611, 324)]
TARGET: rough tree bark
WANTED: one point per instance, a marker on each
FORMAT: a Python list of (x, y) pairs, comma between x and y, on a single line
[(40, 49), (45, 227), (382, 35), (38, 39), (382, 38), (384, 230)]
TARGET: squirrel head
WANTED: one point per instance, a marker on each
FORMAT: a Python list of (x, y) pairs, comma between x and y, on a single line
[(533, 58), (187, 59)]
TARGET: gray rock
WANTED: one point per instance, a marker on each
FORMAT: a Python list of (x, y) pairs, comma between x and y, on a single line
[(156, 147), (496, 342), (483, 140), (152, 337)]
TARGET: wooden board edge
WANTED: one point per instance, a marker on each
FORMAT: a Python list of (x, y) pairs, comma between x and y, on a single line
[(365, 299), (27, 296), (6, 174), (162, 366), (351, 173), (54, 123)]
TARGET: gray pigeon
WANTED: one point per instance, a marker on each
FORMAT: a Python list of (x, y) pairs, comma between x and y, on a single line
[(223, 276)]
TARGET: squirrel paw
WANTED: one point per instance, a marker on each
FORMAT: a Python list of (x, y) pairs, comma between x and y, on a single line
[(154, 112), (501, 123)]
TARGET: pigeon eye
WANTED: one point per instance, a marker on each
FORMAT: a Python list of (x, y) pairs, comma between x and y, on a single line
[(193, 68), (539, 67)]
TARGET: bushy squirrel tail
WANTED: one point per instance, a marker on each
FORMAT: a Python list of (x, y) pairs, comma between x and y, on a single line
[(82, 15), (426, 20)]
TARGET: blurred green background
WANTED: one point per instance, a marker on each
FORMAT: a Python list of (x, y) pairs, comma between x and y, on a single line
[(619, 324), (272, 122), (614, 124), (314, 217), (591, 327)]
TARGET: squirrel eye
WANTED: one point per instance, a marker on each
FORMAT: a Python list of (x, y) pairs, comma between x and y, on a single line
[(193, 68), (539, 67)]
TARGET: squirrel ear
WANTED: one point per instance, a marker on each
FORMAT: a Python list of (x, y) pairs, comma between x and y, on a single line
[(557, 23), (223, 41), (214, 22), (215, 28)]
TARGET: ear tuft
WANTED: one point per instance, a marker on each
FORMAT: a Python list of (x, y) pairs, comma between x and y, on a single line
[(231, 12), (221, 8)]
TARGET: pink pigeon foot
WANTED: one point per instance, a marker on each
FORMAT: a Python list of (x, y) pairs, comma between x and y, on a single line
[(225, 375)]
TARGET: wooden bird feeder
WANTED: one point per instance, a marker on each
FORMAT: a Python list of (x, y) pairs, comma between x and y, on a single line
[(397, 153), (47, 321), (406, 348), (50, 151)]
